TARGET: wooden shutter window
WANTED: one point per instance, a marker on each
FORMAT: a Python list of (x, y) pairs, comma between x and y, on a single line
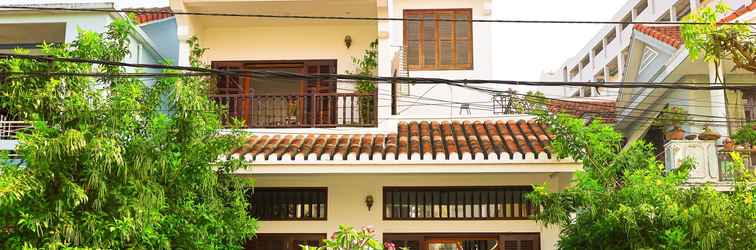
[(289, 203), (436, 40), (520, 241), (457, 203)]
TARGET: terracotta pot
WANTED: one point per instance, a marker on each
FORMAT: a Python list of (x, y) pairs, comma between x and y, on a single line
[(728, 144), (675, 134), (753, 149), (709, 134)]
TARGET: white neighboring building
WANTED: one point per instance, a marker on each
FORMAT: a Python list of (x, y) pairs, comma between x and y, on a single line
[(604, 57)]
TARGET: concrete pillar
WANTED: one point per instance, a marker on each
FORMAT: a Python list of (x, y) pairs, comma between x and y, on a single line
[(618, 31), (621, 66), (387, 49), (694, 5), (717, 96), (673, 14)]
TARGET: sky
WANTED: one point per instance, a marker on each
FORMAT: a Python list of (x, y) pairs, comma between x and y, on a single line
[(525, 50), (528, 49)]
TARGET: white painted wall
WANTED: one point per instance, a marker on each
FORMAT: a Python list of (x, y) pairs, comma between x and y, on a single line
[(346, 195), (656, 9), (301, 41), (446, 96)]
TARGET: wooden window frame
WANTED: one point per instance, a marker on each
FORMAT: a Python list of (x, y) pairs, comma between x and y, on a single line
[(423, 239), (438, 66), (286, 237), (324, 190), (508, 191)]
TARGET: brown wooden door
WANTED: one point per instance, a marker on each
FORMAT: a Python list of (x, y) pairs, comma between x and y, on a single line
[(233, 91), (323, 111), (284, 241), (465, 241), (520, 241)]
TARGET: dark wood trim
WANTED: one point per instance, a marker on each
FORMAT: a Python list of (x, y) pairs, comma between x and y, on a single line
[(525, 208), (424, 238), (421, 66), (321, 189), (284, 237)]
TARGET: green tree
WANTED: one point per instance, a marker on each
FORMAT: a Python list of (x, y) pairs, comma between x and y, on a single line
[(366, 65), (624, 199), (719, 42), (115, 163), (347, 238)]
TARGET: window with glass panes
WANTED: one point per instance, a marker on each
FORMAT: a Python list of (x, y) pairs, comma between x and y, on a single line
[(457, 203), (438, 39), (289, 203)]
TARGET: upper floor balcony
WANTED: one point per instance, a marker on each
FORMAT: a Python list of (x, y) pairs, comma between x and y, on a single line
[(9, 131), (290, 102), (712, 165)]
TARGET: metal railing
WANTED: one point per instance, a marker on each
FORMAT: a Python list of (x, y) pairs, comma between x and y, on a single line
[(10, 129), (301, 110), (727, 170)]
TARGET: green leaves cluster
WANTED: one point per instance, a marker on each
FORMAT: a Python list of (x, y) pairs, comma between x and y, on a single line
[(116, 163), (624, 199), (745, 135), (719, 42), (671, 116), (347, 238)]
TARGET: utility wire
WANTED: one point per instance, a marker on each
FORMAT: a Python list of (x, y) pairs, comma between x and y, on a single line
[(206, 72), (379, 79), (310, 17), (490, 91)]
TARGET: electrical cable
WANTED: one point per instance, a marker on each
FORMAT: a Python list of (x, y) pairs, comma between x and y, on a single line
[(132, 11), (44, 74)]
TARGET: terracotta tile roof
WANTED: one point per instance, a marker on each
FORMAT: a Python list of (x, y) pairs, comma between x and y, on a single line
[(418, 140), (586, 109), (149, 17), (739, 12), (671, 34), (667, 34)]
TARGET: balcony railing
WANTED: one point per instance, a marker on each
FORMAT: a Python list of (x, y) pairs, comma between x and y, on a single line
[(711, 165), (10, 129), (301, 110), (727, 170)]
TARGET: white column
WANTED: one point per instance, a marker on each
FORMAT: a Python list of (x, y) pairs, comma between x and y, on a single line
[(386, 53), (673, 14), (621, 66), (718, 97), (694, 5), (618, 31)]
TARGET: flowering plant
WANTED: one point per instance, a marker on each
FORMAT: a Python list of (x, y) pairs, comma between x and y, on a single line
[(347, 238)]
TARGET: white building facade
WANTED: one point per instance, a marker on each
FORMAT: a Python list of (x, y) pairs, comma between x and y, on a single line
[(604, 57)]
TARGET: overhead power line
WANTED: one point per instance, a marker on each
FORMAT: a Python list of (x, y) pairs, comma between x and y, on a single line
[(379, 79), (353, 18), (248, 73)]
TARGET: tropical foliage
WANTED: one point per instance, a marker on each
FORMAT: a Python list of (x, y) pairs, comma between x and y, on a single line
[(624, 199), (116, 162), (719, 42), (348, 238)]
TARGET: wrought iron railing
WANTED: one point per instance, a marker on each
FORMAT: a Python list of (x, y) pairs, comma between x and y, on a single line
[(301, 110), (10, 129), (727, 169)]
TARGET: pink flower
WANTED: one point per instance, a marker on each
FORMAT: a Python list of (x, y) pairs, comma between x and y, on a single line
[(389, 246)]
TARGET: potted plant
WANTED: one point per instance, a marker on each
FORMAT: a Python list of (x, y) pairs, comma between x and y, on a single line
[(745, 135), (709, 134), (672, 117), (729, 144)]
